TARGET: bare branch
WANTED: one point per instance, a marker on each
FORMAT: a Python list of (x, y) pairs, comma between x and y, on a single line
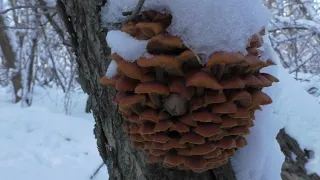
[(135, 12), (48, 8)]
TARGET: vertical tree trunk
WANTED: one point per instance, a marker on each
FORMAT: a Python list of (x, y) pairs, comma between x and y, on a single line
[(83, 24)]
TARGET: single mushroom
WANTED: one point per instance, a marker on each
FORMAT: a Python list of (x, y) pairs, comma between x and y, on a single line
[(174, 160), (147, 30), (203, 79), (130, 29), (213, 154), (239, 130), (252, 80), (161, 138), (180, 127), (124, 83), (164, 44), (240, 95), (187, 119), (172, 144), (132, 70), (260, 98), (228, 122), (136, 138), (227, 143), (219, 136), (224, 108), (234, 82), (224, 58), (207, 129), (212, 97), (205, 116), (150, 115), (241, 113), (154, 89), (177, 85), (203, 149), (147, 128), (108, 81), (270, 77), (192, 138), (184, 152), (134, 128), (197, 103), (163, 125), (265, 82), (241, 142)]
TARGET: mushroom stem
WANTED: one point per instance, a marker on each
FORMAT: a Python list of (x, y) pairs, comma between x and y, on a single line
[(137, 108), (220, 71), (159, 74), (155, 99), (199, 91)]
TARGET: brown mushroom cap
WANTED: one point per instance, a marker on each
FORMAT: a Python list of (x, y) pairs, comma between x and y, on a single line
[(207, 129), (241, 113), (253, 61), (234, 82), (147, 77), (125, 83), (213, 154), (161, 138), (132, 70), (173, 143), (241, 142), (228, 122), (134, 119), (203, 149), (195, 162), (265, 82), (136, 138), (162, 44), (163, 125), (158, 152), (224, 58), (174, 160), (260, 98), (154, 159), (108, 82), (147, 128), (134, 128), (187, 119), (227, 143), (197, 102), (125, 99), (270, 77), (212, 97), (180, 127), (152, 87), (192, 138), (202, 116), (225, 108), (219, 136), (251, 80), (163, 61), (203, 79), (156, 145), (146, 30), (241, 95), (150, 114), (177, 85), (239, 130), (130, 29)]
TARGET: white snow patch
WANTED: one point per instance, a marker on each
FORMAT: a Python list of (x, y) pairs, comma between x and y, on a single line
[(206, 26), (112, 70), (39, 144), (129, 48)]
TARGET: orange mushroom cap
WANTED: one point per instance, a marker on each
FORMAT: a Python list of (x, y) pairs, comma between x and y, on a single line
[(161, 138), (228, 122), (187, 119), (130, 29), (163, 125), (203, 149), (224, 58), (239, 130), (234, 82), (197, 102), (227, 143), (108, 82), (253, 61), (180, 127), (163, 61), (191, 137), (150, 114), (152, 87), (212, 97), (208, 129), (241, 113), (146, 30), (213, 154), (202, 116), (164, 44), (225, 108), (147, 128), (270, 77), (195, 162), (241, 142), (203, 79), (265, 82), (132, 70), (125, 83), (125, 99), (173, 143), (260, 98), (241, 95), (251, 80), (177, 85), (174, 160)]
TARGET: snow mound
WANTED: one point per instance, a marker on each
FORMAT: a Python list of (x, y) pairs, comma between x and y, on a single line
[(112, 69), (39, 144), (205, 26), (129, 48)]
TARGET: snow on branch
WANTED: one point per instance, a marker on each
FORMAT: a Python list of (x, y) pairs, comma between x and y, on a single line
[(289, 23)]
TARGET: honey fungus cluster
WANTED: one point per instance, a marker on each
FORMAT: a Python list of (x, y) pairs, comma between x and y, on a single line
[(180, 112)]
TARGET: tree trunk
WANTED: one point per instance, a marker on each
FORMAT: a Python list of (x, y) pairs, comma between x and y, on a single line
[(82, 18)]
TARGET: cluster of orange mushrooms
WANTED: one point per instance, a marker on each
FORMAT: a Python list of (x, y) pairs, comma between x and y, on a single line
[(180, 112)]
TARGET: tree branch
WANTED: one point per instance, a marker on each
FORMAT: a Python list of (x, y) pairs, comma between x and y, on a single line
[(135, 12), (31, 7)]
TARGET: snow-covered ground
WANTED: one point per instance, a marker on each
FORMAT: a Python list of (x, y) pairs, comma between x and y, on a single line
[(41, 142)]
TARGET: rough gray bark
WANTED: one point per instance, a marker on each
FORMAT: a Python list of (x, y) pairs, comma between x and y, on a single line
[(124, 163), (293, 169)]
